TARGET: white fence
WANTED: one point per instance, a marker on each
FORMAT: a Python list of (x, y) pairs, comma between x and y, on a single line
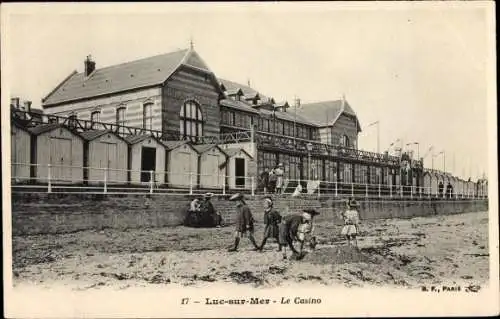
[(58, 179)]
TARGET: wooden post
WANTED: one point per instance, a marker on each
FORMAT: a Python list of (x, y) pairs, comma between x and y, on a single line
[(191, 183), (336, 190), (253, 187), (366, 190), (151, 182), (319, 186), (49, 178), (223, 184), (352, 189), (105, 180), (379, 193)]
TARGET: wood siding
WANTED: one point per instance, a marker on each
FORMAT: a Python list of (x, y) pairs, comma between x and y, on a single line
[(20, 154), (136, 161), (185, 85), (211, 175), (132, 101), (109, 153), (345, 125), (64, 151), (182, 161)]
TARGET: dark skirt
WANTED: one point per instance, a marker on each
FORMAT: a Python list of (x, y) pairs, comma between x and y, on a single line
[(271, 231), (284, 235)]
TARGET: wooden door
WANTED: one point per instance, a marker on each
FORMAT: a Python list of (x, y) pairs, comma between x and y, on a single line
[(61, 159)]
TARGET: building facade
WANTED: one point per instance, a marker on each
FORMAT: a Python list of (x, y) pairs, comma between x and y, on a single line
[(179, 97)]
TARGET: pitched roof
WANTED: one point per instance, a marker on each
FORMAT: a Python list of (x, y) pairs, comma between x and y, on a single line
[(233, 151), (134, 139), (40, 129), (289, 116), (202, 148), (248, 92), (170, 145), (93, 134), (327, 112), (130, 75), (238, 105)]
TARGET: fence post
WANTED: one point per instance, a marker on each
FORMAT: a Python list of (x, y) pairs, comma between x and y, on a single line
[(366, 190), (352, 189), (105, 180), (411, 191), (151, 182), (49, 177), (191, 183), (319, 187), (253, 187), (336, 189), (223, 184), (390, 191), (401, 190), (379, 193)]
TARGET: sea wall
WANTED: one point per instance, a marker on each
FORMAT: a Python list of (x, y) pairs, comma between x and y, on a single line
[(63, 213)]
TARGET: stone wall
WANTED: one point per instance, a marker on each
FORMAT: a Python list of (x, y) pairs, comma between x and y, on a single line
[(63, 213)]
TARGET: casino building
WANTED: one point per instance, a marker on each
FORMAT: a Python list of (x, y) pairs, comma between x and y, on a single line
[(176, 96)]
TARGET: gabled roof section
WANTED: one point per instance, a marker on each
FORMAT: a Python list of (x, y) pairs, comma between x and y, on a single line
[(91, 135), (134, 139), (141, 73), (171, 145), (40, 129), (248, 92), (230, 152), (202, 148), (238, 105), (327, 113)]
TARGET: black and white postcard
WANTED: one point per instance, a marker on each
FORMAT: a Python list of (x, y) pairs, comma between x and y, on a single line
[(273, 159)]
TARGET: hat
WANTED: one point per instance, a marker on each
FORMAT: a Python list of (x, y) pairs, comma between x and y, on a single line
[(311, 211), (236, 197), (306, 216), (208, 195), (268, 199), (353, 203)]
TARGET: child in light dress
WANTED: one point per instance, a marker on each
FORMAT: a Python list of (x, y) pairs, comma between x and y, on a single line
[(351, 222)]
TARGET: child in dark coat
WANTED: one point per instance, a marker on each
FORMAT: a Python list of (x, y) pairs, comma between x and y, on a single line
[(272, 219)]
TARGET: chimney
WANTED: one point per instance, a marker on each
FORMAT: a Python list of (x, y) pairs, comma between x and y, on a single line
[(14, 102), (27, 106), (89, 65)]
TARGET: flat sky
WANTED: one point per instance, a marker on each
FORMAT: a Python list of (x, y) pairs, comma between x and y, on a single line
[(423, 72)]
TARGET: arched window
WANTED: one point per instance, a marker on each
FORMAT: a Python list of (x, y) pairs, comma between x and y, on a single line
[(344, 141), (147, 116), (191, 120), (95, 117), (120, 118)]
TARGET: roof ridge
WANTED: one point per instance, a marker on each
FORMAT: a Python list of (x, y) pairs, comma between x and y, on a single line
[(138, 60)]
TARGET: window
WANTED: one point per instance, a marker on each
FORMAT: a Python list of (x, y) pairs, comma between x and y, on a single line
[(95, 117), (147, 116), (361, 174), (72, 120), (191, 120), (120, 119), (344, 141), (345, 170)]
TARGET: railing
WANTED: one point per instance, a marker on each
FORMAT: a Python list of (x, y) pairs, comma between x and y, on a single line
[(263, 139), (31, 120), (37, 178)]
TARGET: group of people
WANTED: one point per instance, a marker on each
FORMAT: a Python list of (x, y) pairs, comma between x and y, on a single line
[(272, 181), (284, 230), (201, 213)]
